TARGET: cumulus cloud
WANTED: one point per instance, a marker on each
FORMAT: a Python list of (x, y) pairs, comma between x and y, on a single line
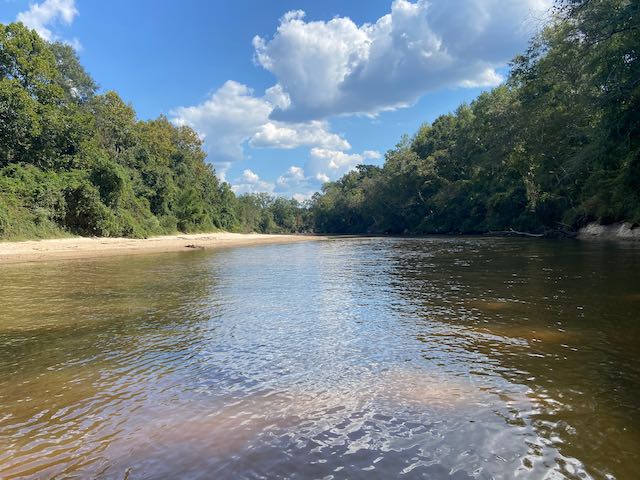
[(250, 177), (41, 16), (292, 177), (337, 67), (294, 183), (250, 182), (323, 165), (233, 116), (302, 197), (227, 119), (286, 136)]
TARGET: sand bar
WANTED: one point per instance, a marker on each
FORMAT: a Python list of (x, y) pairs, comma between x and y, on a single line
[(84, 247)]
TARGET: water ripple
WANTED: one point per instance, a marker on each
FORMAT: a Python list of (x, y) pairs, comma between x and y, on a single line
[(359, 358)]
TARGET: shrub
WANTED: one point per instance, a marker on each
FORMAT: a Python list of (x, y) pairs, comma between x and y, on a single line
[(4, 218), (86, 214)]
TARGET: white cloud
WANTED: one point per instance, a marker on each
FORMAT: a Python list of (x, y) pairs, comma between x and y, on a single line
[(277, 97), (41, 16), (294, 183), (291, 178), (371, 155), (327, 68), (233, 116), (323, 165), (302, 197), (228, 118), (338, 67), (286, 136), (322, 177), (250, 182), (250, 177)]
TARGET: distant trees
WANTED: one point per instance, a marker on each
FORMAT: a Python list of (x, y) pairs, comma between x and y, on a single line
[(264, 213), (556, 147)]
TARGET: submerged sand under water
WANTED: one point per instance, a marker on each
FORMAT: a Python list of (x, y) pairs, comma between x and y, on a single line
[(351, 358)]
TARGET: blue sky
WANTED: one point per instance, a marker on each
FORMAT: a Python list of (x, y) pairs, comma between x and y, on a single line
[(288, 94)]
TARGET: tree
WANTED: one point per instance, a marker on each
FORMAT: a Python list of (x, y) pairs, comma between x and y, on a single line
[(77, 161), (556, 147), (72, 77)]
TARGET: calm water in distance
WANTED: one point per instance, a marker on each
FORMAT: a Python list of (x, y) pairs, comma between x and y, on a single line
[(367, 358)]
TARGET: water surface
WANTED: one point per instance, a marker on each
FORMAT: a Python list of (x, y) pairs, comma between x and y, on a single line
[(358, 358)]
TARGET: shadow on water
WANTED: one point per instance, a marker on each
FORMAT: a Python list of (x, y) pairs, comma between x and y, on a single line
[(360, 358)]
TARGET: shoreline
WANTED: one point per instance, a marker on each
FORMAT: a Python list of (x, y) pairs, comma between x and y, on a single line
[(74, 248)]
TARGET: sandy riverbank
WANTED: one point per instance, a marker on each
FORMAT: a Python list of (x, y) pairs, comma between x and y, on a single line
[(82, 247)]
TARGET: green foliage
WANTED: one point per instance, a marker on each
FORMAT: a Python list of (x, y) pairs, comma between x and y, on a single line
[(72, 77), (115, 123), (264, 213), (4, 217), (29, 60), (86, 214), (556, 147), (77, 162), (19, 121)]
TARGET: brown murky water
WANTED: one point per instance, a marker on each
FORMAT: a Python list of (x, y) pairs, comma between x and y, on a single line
[(357, 358)]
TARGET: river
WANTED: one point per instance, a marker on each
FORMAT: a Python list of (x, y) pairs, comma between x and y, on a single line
[(442, 358)]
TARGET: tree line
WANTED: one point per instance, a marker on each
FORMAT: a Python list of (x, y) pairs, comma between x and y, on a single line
[(552, 149), (75, 161), (555, 147)]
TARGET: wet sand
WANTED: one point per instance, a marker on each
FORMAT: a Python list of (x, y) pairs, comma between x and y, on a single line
[(85, 247)]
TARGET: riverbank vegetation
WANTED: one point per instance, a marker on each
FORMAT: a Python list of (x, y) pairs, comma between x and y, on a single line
[(76, 162), (555, 147)]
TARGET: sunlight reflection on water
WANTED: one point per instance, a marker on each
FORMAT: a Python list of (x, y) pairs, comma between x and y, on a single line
[(360, 358)]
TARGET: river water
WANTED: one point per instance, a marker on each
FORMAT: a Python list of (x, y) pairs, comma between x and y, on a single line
[(352, 358)]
